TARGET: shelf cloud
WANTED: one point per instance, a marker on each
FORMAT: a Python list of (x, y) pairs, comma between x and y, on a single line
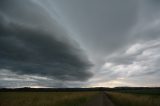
[(79, 43), (26, 49)]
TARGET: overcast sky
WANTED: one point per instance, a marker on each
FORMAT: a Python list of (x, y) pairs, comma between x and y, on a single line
[(79, 43)]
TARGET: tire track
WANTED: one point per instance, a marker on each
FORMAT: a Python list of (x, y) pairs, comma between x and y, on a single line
[(100, 100)]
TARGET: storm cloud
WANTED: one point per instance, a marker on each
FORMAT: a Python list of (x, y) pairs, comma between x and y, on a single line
[(79, 43), (34, 48)]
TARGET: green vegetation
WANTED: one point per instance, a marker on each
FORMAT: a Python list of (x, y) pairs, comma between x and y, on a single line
[(131, 99), (45, 98)]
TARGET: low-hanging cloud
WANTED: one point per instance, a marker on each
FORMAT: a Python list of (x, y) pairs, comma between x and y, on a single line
[(29, 50), (121, 38)]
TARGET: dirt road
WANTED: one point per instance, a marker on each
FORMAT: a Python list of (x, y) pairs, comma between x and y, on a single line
[(100, 100)]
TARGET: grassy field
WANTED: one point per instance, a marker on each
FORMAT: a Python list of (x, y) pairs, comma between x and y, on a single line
[(131, 99), (45, 98)]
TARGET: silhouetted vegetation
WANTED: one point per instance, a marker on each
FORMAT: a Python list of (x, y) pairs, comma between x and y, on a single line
[(145, 90)]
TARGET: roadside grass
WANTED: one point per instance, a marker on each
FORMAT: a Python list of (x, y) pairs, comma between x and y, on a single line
[(131, 99), (45, 98)]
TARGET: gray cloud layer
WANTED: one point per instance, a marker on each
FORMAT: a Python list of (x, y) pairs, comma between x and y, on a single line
[(30, 47), (121, 38), (108, 29)]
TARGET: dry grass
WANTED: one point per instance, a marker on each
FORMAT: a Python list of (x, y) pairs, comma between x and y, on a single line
[(45, 98), (126, 99)]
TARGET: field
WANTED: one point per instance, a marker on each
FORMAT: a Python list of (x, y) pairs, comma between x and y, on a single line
[(45, 98), (80, 97), (133, 99)]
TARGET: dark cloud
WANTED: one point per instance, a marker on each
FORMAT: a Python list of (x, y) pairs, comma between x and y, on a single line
[(35, 51), (120, 37)]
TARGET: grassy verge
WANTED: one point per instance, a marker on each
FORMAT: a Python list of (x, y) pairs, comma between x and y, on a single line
[(45, 98), (126, 99)]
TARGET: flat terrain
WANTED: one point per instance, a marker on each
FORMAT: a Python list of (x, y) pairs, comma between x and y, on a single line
[(100, 100), (83, 98), (45, 98), (54, 99), (134, 99)]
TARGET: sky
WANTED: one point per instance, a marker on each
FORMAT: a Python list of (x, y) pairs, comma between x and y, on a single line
[(79, 43)]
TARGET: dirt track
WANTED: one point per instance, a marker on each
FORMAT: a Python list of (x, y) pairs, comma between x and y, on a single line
[(100, 100)]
